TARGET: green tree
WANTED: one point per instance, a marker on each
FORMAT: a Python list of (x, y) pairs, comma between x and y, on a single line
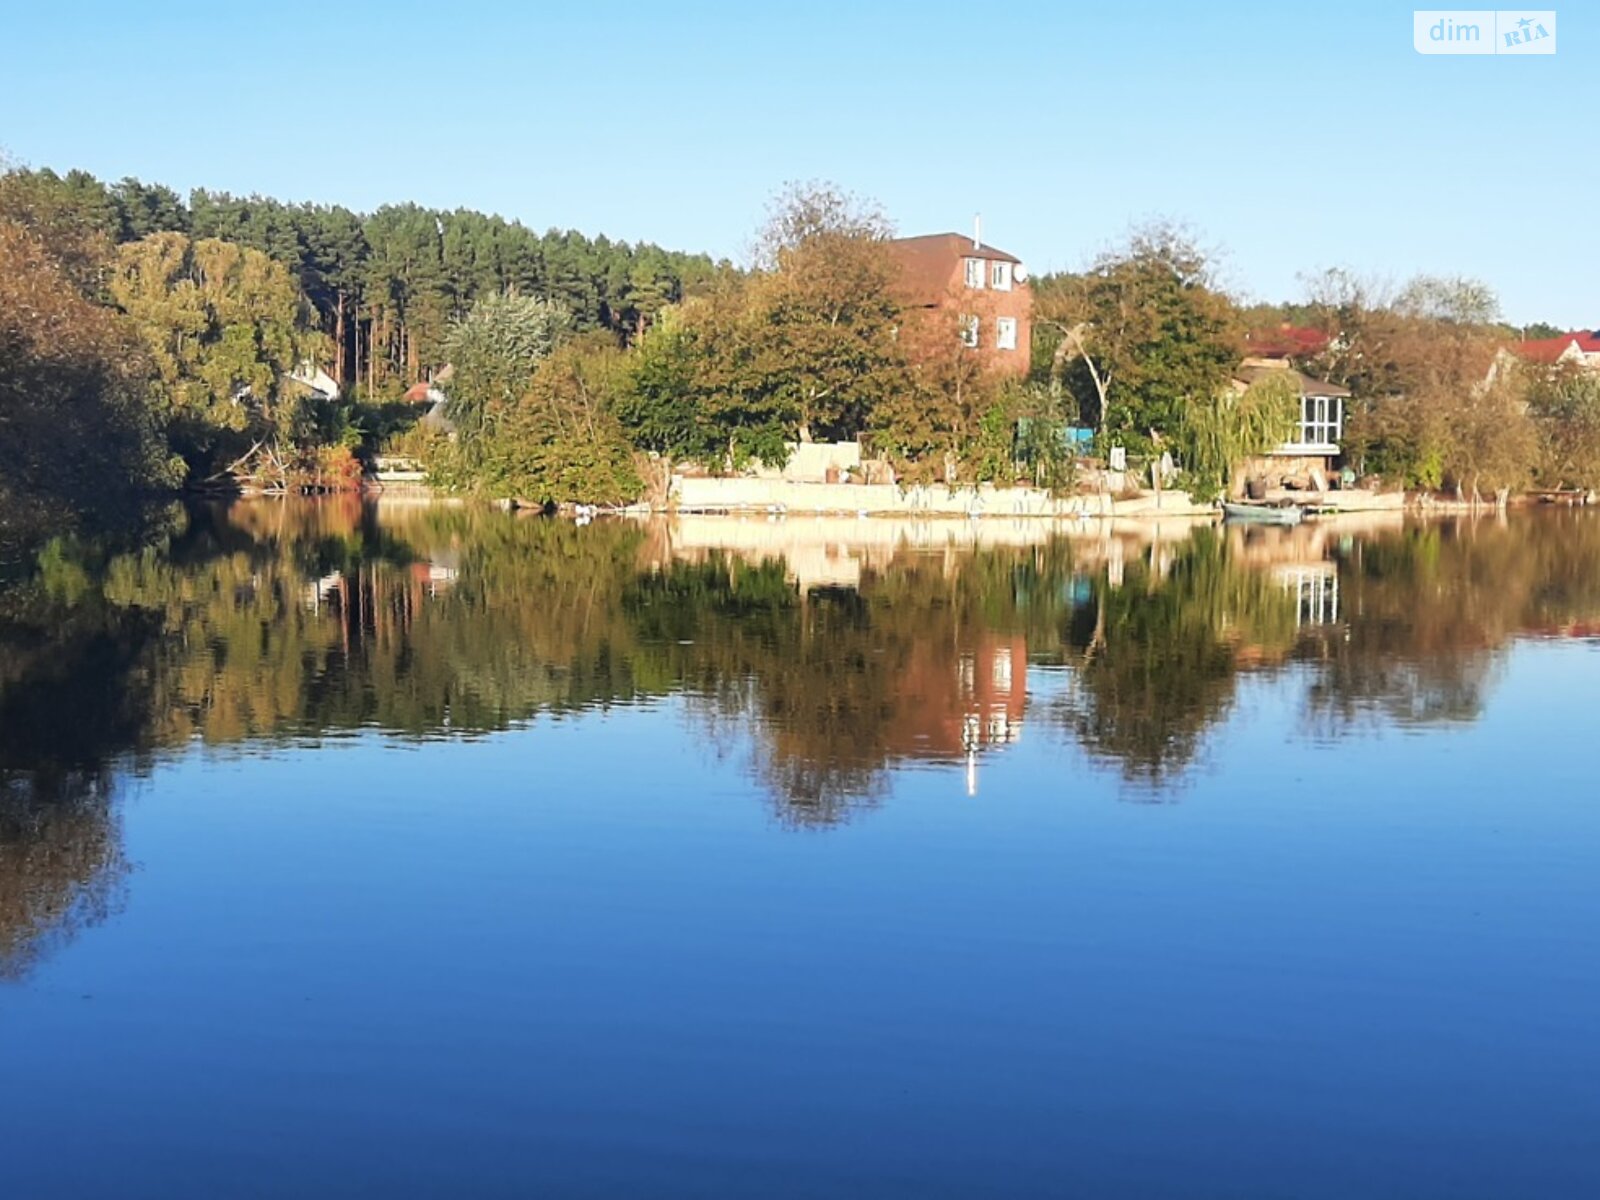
[(824, 312), (224, 326), (407, 291), (494, 352), (560, 441), (1142, 334), (1539, 331), (1565, 406), (658, 404), (1436, 402), (805, 347), (647, 288), (385, 285), (1219, 433), (75, 218), (78, 439), (146, 208), (701, 387)]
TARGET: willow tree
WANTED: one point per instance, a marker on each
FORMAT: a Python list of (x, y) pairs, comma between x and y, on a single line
[(493, 353), (224, 326), (559, 441), (1222, 432)]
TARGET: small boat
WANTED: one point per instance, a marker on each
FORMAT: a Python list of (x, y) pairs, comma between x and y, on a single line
[(1262, 514)]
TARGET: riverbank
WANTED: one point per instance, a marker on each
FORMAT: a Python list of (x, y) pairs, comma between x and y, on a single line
[(743, 494), (746, 495)]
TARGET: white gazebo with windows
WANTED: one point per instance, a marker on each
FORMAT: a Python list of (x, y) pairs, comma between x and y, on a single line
[(1321, 422), (1322, 404)]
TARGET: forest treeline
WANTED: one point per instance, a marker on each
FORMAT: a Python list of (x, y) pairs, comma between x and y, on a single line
[(384, 287), (152, 342)]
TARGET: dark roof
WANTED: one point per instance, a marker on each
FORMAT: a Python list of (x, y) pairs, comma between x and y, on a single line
[(1308, 385), (951, 245), (928, 263)]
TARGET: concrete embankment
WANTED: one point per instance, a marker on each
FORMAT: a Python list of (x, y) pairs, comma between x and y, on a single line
[(751, 494), (743, 494)]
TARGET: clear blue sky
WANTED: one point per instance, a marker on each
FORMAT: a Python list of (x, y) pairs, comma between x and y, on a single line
[(1291, 136)]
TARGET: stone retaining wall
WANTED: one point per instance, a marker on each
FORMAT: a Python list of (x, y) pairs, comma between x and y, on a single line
[(737, 494)]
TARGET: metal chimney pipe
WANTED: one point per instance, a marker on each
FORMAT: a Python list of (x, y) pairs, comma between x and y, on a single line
[(977, 231)]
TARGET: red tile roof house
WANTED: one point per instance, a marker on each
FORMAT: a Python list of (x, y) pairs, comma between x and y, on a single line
[(427, 391), (985, 289), (1579, 349)]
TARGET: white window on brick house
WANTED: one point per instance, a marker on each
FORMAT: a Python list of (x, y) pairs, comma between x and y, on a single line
[(1005, 333), (1000, 276), (969, 331), (974, 272), (1002, 669)]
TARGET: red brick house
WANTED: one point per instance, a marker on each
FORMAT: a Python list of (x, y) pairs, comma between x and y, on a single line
[(984, 290)]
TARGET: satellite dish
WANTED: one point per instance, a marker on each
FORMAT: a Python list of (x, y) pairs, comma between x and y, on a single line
[(1019, 273)]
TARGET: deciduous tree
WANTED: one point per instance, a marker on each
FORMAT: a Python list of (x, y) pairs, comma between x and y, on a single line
[(1564, 403), (824, 311), (77, 434), (224, 326), (1141, 334)]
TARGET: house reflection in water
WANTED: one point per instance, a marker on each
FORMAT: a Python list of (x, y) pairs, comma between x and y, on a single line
[(1315, 587), (1305, 560), (426, 578), (434, 577), (955, 708)]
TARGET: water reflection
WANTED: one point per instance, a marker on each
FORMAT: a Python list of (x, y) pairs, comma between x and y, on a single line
[(73, 697), (62, 865), (827, 651)]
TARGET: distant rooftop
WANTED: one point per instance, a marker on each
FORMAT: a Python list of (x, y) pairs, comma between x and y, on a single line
[(1550, 349), (1286, 341)]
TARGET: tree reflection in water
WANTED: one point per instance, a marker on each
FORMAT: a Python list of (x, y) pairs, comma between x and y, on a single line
[(74, 700), (1157, 658), (61, 862), (265, 622)]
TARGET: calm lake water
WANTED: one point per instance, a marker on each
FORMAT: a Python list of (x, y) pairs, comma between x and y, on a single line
[(420, 851)]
